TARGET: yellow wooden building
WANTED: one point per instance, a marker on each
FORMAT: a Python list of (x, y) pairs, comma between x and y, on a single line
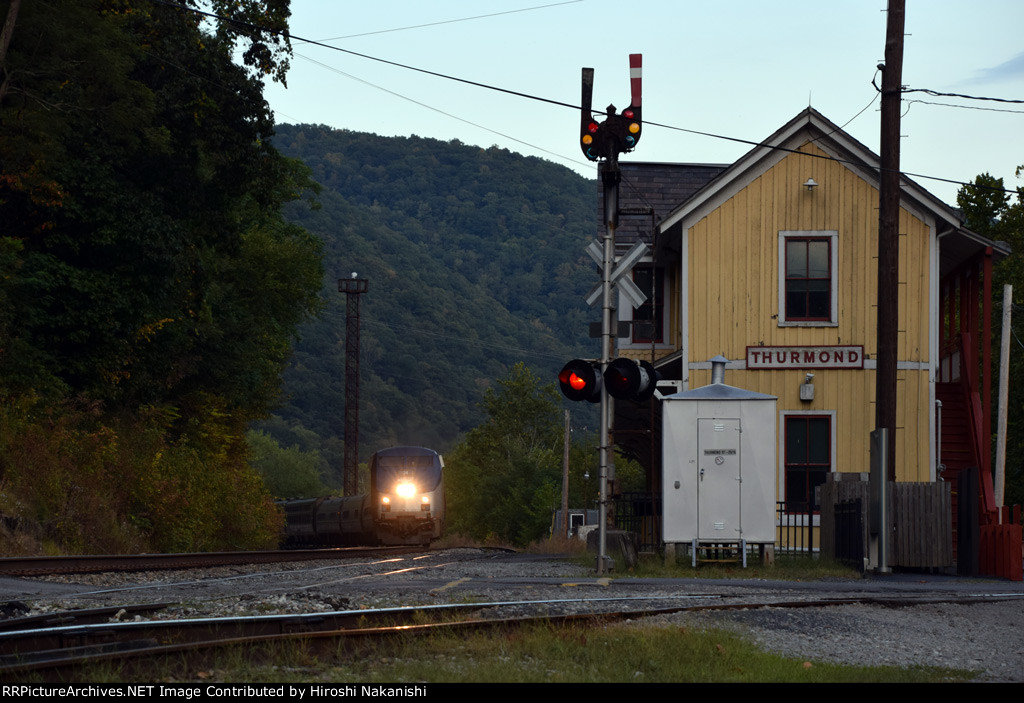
[(771, 262)]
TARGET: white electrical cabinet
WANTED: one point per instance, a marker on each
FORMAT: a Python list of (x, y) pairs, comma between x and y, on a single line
[(719, 464)]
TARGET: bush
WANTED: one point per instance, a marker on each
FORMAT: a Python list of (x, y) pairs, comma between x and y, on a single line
[(74, 480)]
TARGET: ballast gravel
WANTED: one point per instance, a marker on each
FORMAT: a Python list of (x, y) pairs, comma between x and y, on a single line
[(986, 637)]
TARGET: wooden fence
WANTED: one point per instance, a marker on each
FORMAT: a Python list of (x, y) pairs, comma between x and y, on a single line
[(1001, 553), (920, 519)]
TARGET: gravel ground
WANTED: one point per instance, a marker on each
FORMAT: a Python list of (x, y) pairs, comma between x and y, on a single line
[(984, 637)]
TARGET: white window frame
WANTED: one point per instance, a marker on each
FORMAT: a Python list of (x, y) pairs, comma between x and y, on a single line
[(833, 237), (781, 478)]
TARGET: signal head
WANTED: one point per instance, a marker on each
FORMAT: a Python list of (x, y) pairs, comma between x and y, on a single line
[(580, 380), (630, 379)]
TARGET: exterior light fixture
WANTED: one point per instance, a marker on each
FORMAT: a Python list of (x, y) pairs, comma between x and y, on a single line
[(810, 185), (807, 388)]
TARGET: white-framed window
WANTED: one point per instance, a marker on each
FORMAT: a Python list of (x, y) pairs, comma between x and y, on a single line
[(808, 278), (807, 457)]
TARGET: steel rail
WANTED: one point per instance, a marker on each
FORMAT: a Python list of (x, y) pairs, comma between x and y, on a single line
[(81, 616), (42, 566), (75, 646)]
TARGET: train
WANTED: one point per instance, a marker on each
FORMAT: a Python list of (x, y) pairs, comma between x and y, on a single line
[(405, 505)]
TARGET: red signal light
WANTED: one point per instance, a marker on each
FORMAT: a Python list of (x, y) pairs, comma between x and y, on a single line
[(580, 380), (576, 382)]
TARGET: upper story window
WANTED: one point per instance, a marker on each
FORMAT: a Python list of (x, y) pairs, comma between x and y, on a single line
[(808, 282), (649, 318)]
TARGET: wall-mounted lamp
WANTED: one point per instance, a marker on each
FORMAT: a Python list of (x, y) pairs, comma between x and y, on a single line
[(810, 185), (807, 388)]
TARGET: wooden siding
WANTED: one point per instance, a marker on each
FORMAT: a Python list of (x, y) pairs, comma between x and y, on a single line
[(733, 297)]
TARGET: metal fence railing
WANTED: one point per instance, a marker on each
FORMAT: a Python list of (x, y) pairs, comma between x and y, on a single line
[(640, 513), (795, 531)]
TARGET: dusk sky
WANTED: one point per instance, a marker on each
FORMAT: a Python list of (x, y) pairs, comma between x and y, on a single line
[(737, 69)]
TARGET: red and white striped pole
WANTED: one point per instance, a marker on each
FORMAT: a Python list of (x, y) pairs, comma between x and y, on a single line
[(635, 71)]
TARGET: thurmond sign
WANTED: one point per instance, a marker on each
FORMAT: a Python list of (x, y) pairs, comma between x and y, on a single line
[(839, 357)]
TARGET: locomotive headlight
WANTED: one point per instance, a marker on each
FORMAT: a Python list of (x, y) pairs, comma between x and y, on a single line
[(385, 500), (406, 490)]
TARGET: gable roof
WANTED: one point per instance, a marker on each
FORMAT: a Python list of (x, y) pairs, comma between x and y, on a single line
[(811, 125)]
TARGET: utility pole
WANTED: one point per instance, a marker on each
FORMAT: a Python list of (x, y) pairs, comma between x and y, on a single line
[(352, 288), (883, 439), (888, 231), (565, 479)]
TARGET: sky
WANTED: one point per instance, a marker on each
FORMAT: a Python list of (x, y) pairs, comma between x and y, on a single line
[(738, 69)]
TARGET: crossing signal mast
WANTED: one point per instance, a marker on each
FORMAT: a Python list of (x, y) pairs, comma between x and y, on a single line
[(601, 381)]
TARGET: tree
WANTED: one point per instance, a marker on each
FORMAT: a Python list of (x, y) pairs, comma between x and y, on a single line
[(146, 271), (145, 259), (288, 473), (504, 479)]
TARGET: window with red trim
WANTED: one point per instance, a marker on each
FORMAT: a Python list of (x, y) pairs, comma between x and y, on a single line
[(808, 459)]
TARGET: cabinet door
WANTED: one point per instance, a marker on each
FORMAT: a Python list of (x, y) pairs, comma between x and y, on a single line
[(718, 478)]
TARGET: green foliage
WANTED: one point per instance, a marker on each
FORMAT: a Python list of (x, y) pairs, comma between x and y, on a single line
[(140, 187), (87, 483), (150, 287), (475, 260), (505, 478), (288, 473)]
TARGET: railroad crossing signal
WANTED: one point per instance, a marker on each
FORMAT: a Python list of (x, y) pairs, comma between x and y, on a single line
[(620, 274), (617, 133), (624, 379), (631, 379)]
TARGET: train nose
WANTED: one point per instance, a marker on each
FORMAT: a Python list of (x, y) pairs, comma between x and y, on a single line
[(405, 504)]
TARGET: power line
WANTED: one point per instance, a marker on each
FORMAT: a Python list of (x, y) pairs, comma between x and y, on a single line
[(405, 329), (937, 94), (551, 101), (440, 111), (965, 107), (453, 21)]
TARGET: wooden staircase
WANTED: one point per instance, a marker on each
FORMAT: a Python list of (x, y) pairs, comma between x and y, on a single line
[(956, 444), (957, 448)]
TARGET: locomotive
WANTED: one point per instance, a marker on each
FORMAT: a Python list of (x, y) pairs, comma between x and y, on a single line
[(405, 505)]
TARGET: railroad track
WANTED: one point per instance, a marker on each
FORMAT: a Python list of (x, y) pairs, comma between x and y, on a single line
[(55, 650), (44, 566)]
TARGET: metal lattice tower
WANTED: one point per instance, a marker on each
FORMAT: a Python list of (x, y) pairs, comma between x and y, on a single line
[(352, 288)]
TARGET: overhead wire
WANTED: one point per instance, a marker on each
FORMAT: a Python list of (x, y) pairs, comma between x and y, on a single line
[(453, 21), (937, 94), (560, 103), (406, 329), (966, 107), (439, 110)]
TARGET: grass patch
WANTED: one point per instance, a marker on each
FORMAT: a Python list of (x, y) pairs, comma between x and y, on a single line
[(617, 653)]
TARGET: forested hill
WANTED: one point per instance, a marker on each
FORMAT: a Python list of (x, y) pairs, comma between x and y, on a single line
[(475, 261)]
